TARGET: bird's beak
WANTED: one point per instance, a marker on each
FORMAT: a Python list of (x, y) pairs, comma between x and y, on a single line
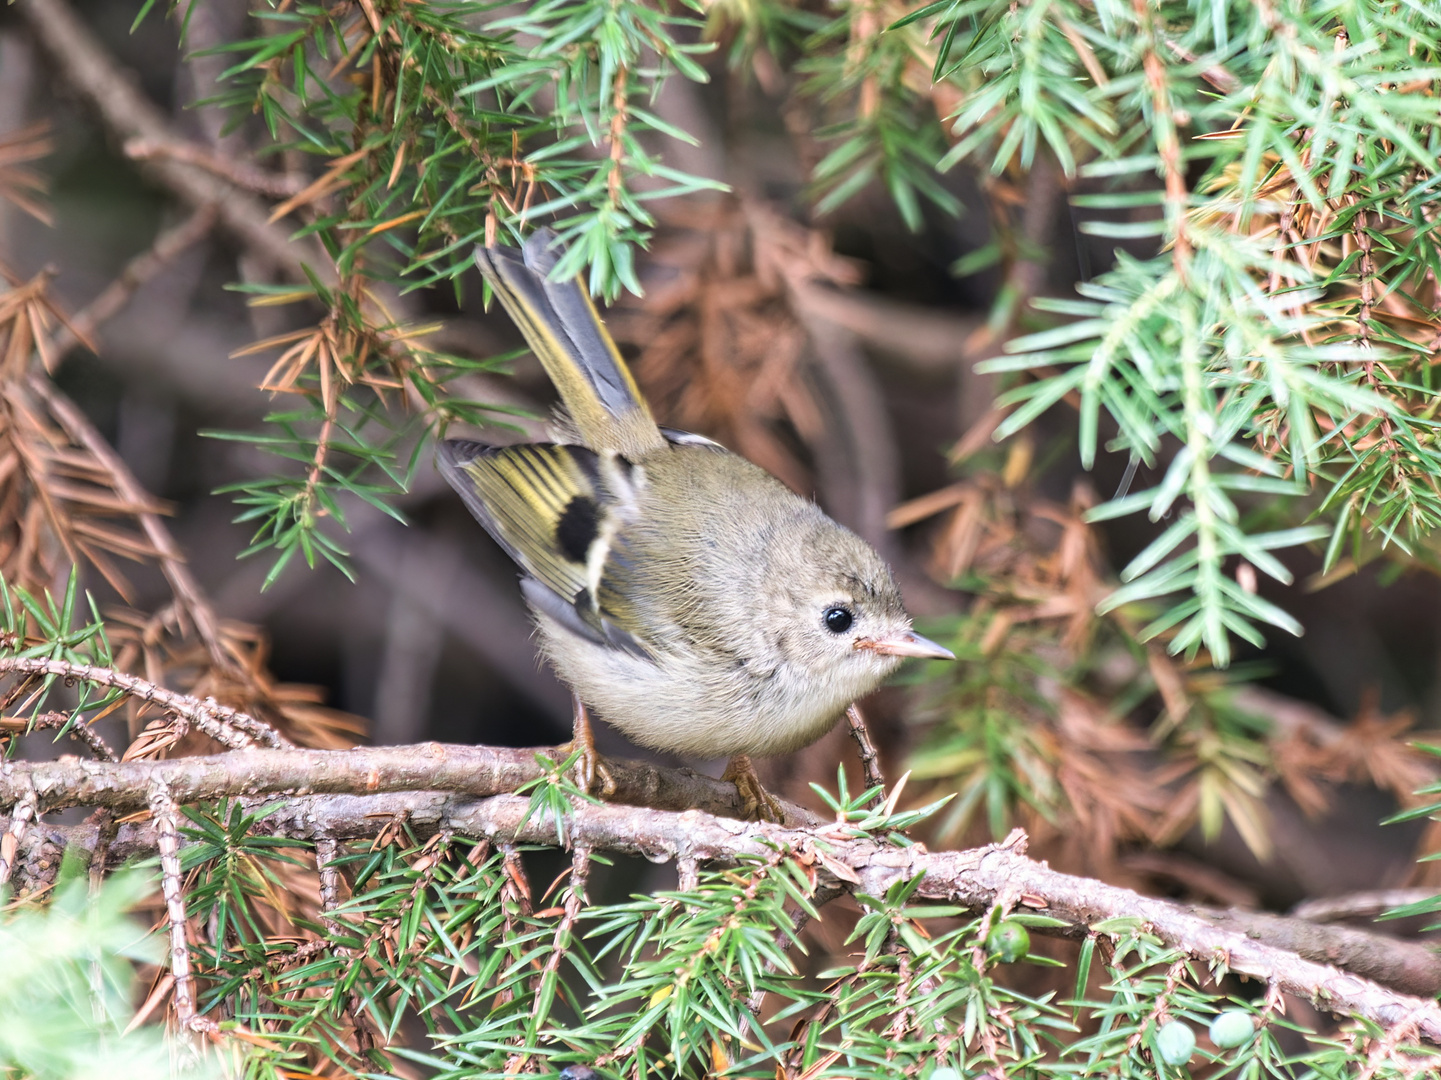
[(909, 643)]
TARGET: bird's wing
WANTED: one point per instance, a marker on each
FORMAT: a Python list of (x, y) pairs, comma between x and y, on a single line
[(557, 511)]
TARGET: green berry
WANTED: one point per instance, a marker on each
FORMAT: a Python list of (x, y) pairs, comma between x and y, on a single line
[(1232, 1028), (1009, 941), (1175, 1042)]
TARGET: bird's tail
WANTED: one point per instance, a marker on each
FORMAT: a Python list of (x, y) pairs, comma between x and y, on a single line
[(564, 331)]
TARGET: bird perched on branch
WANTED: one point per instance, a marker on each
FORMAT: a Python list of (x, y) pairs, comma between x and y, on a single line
[(691, 599)]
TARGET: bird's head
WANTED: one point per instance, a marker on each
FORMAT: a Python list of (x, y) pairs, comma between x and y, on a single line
[(837, 612)]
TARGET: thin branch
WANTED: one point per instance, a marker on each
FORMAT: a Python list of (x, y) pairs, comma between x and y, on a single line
[(424, 569), (326, 852), (1414, 968), (167, 840), (434, 767), (139, 270), (1168, 143), (1292, 718), (240, 173), (924, 340), (1359, 905), (974, 879), (575, 901), (190, 599), (331, 405), (870, 760), (25, 812), (225, 725), (620, 114), (73, 726)]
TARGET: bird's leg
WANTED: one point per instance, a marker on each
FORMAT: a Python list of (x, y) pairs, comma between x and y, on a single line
[(758, 804), (591, 766)]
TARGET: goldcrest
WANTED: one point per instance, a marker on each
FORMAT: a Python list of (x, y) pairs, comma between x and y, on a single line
[(685, 595)]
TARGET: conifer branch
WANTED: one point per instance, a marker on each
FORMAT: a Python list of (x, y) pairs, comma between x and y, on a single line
[(434, 767), (975, 879)]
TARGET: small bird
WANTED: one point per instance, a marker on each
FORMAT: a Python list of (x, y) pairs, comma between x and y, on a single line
[(687, 596)]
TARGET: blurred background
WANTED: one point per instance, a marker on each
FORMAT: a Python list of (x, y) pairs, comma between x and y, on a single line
[(836, 350)]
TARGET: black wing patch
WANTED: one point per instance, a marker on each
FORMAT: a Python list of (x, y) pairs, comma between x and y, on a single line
[(578, 528)]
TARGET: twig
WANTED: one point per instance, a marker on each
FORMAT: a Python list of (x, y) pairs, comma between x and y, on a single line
[(1168, 143), (139, 270), (1291, 718), (190, 600), (1215, 74), (24, 813), (225, 725), (905, 1014), (514, 900), (974, 879), (800, 919), (482, 771), (870, 760), (1200, 880), (869, 480), (330, 405), (1358, 905), (239, 173), (1413, 970), (864, 430), (1160, 1012), (620, 110), (411, 650), (412, 564), (687, 872), (301, 954), (167, 840), (575, 900), (924, 339), (73, 726), (326, 850)]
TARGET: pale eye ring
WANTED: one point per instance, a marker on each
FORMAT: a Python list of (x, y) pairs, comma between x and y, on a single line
[(838, 619)]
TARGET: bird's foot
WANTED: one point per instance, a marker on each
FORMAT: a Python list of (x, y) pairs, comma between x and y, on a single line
[(589, 771), (589, 768), (757, 803)]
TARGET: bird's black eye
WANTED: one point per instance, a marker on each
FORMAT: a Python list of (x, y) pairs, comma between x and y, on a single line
[(838, 619)]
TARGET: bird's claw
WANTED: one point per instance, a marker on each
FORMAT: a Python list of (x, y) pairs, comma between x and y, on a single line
[(757, 803), (590, 766)]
